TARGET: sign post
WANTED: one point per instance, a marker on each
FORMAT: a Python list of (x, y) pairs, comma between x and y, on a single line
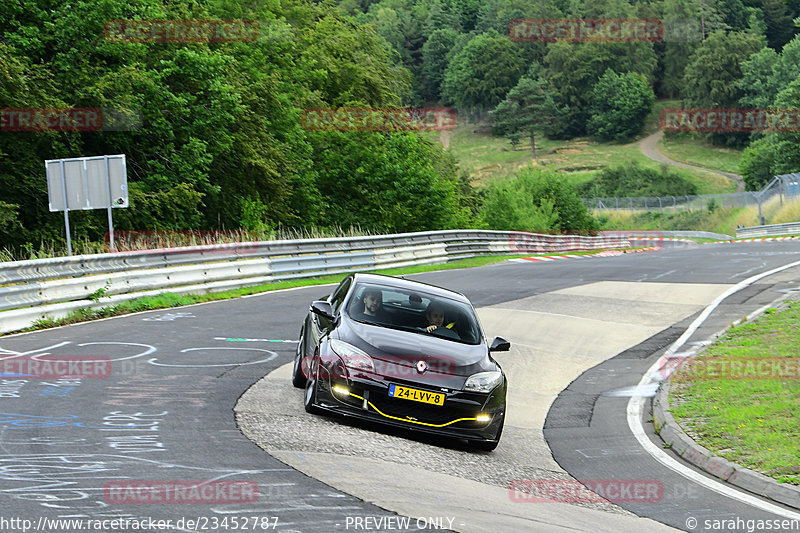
[(81, 183)]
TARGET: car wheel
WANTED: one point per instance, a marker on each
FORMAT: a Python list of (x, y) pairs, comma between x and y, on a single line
[(311, 393), (489, 445), (298, 376)]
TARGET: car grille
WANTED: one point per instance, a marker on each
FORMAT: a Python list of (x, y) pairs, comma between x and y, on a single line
[(421, 412)]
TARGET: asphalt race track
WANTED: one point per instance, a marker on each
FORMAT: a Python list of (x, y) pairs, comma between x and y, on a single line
[(172, 410)]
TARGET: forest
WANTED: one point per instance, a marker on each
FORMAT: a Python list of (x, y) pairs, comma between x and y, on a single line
[(213, 130)]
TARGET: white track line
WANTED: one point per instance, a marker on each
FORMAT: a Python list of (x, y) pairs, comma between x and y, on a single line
[(636, 407)]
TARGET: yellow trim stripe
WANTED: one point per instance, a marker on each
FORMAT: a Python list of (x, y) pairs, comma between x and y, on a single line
[(411, 421)]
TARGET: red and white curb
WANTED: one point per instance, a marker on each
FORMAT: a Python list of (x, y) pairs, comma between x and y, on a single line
[(765, 239), (605, 253)]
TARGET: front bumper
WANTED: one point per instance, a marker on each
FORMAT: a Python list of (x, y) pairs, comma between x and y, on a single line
[(369, 399)]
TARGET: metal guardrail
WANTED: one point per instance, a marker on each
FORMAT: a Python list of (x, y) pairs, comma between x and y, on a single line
[(51, 288), (791, 228), (655, 234)]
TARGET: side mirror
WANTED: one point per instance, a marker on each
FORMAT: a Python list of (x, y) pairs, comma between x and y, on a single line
[(322, 308), (499, 344)]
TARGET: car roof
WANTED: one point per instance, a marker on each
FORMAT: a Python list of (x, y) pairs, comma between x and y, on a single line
[(403, 283)]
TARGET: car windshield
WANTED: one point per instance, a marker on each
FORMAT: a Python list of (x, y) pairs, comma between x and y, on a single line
[(415, 311)]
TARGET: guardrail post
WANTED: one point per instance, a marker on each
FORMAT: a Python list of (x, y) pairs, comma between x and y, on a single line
[(66, 209)]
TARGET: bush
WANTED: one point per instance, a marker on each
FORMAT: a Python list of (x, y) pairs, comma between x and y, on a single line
[(632, 179), (537, 200)]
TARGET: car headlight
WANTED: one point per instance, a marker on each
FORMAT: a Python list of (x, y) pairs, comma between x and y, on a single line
[(483, 381), (352, 356)]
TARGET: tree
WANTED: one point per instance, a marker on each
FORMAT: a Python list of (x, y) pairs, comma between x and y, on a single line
[(387, 182), (766, 72), (442, 16), (480, 74), (682, 32), (715, 66), (776, 152), (619, 105), (711, 75), (220, 142), (757, 163), (528, 107), (780, 27), (734, 14), (711, 18), (497, 14), (757, 84), (574, 68), (388, 24), (469, 11), (435, 54)]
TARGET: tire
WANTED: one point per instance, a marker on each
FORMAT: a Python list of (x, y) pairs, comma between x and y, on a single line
[(298, 377)]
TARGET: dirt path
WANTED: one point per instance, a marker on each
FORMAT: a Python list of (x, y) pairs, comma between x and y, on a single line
[(649, 147)]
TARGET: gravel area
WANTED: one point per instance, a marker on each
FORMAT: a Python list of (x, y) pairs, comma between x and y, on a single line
[(271, 414)]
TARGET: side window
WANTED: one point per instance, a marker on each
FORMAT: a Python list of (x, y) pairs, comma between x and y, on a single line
[(338, 296)]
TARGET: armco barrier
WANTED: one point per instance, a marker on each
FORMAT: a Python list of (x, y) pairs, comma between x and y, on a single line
[(792, 228), (51, 288), (654, 234)]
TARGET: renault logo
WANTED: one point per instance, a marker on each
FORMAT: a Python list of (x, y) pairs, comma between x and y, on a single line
[(422, 366)]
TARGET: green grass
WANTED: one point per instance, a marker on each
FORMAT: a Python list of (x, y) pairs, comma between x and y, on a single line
[(701, 153), (751, 422), (651, 123), (722, 221), (488, 158)]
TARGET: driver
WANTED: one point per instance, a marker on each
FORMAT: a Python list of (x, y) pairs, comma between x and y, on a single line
[(435, 316), (373, 306)]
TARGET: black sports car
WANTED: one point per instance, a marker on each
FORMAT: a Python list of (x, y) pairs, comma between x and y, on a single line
[(403, 353)]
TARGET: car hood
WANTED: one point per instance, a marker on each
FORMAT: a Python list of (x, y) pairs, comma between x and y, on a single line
[(400, 351)]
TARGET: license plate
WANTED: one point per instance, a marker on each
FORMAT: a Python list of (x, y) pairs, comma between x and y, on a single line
[(416, 395)]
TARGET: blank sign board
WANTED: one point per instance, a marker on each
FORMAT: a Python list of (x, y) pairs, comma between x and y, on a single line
[(88, 182)]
